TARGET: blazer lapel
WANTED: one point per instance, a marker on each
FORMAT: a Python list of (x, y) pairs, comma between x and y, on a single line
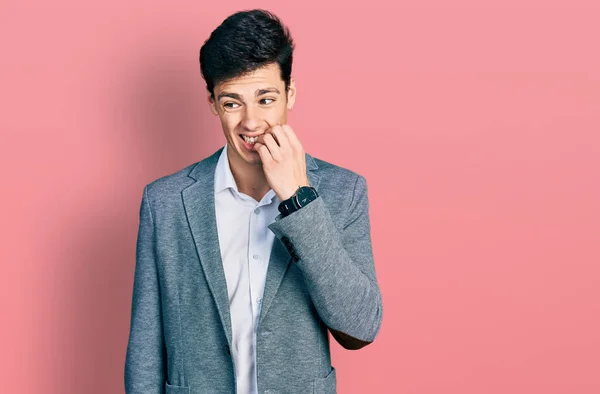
[(199, 204), (280, 259)]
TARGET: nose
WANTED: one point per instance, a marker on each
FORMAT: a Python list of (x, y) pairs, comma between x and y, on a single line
[(251, 120)]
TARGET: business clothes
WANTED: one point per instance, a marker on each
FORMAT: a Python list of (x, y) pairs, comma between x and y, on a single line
[(246, 243), (320, 275)]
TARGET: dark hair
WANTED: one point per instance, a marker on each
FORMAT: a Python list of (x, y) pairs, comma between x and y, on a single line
[(244, 42)]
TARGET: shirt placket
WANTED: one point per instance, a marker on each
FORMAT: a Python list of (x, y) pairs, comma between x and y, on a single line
[(256, 259)]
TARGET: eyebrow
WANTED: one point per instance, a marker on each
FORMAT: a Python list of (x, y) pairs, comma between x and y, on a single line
[(259, 92)]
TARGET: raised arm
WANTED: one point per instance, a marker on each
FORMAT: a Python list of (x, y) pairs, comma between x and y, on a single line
[(338, 266)]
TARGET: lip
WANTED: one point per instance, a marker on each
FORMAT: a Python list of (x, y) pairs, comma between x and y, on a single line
[(247, 145)]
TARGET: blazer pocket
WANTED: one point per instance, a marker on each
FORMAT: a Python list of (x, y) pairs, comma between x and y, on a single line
[(176, 389), (326, 385)]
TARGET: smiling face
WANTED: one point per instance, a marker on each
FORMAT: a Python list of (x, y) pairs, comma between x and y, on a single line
[(249, 105)]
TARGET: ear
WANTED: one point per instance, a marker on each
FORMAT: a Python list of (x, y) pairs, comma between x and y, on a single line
[(212, 105), (291, 94)]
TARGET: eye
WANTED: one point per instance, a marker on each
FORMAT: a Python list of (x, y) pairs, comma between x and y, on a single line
[(262, 101), (230, 105)]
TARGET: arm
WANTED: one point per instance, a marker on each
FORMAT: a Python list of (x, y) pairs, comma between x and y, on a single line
[(145, 361), (338, 266)]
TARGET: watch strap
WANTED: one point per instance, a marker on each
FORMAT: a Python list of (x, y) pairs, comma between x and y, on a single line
[(291, 204)]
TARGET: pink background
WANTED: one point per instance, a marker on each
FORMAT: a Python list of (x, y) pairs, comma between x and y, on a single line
[(476, 124)]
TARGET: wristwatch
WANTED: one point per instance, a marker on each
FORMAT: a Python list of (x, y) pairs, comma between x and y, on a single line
[(303, 196)]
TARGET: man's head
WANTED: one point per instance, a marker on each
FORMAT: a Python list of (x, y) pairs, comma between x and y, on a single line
[(247, 65)]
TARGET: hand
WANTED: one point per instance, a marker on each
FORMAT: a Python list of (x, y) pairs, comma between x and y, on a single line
[(283, 159)]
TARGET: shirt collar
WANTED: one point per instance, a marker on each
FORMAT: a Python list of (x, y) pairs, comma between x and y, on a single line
[(223, 177)]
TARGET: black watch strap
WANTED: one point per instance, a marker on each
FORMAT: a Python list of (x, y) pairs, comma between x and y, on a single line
[(303, 196)]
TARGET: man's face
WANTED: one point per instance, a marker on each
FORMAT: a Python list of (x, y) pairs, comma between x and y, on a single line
[(249, 105)]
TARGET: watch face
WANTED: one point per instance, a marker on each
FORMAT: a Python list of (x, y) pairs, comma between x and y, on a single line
[(305, 195)]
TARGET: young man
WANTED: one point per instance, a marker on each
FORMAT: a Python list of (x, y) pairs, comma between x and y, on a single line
[(246, 259)]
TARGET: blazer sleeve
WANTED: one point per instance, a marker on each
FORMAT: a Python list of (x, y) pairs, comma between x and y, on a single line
[(337, 266), (145, 362)]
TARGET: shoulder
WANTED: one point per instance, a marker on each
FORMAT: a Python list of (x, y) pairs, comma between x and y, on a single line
[(174, 183), (335, 175), (343, 190)]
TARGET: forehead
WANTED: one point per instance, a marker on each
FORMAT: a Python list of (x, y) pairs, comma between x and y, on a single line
[(248, 83)]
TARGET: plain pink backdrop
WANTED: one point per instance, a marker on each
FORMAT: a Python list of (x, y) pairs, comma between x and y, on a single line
[(476, 124)]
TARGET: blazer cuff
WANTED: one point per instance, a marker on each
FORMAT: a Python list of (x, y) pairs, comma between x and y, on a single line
[(304, 231)]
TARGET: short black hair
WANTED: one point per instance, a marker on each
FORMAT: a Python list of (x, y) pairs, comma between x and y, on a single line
[(244, 42)]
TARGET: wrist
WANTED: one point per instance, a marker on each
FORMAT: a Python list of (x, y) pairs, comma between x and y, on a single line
[(289, 193), (303, 196)]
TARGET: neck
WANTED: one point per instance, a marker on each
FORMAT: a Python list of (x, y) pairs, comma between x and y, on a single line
[(250, 179)]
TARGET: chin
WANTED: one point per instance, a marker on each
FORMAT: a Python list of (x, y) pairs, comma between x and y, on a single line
[(252, 158), (255, 161)]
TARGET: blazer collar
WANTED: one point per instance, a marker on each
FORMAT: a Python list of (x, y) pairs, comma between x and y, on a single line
[(199, 201)]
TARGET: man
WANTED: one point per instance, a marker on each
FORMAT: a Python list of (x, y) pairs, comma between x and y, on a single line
[(247, 258)]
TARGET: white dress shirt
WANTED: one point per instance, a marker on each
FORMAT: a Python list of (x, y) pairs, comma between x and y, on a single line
[(245, 242)]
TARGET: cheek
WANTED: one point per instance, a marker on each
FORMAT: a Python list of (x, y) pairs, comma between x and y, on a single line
[(229, 120), (277, 115)]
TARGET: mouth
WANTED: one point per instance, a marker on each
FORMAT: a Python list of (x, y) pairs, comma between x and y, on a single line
[(249, 140)]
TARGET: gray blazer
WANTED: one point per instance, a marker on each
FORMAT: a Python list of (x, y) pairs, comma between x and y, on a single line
[(320, 275)]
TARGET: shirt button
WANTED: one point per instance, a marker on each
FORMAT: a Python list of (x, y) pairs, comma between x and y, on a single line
[(259, 300), (257, 211), (255, 257)]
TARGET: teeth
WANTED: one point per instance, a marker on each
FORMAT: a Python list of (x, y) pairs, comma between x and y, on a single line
[(250, 140)]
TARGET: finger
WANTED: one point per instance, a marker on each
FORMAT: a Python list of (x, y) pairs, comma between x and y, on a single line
[(273, 130), (292, 137), (269, 129), (263, 152), (270, 142), (281, 137)]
